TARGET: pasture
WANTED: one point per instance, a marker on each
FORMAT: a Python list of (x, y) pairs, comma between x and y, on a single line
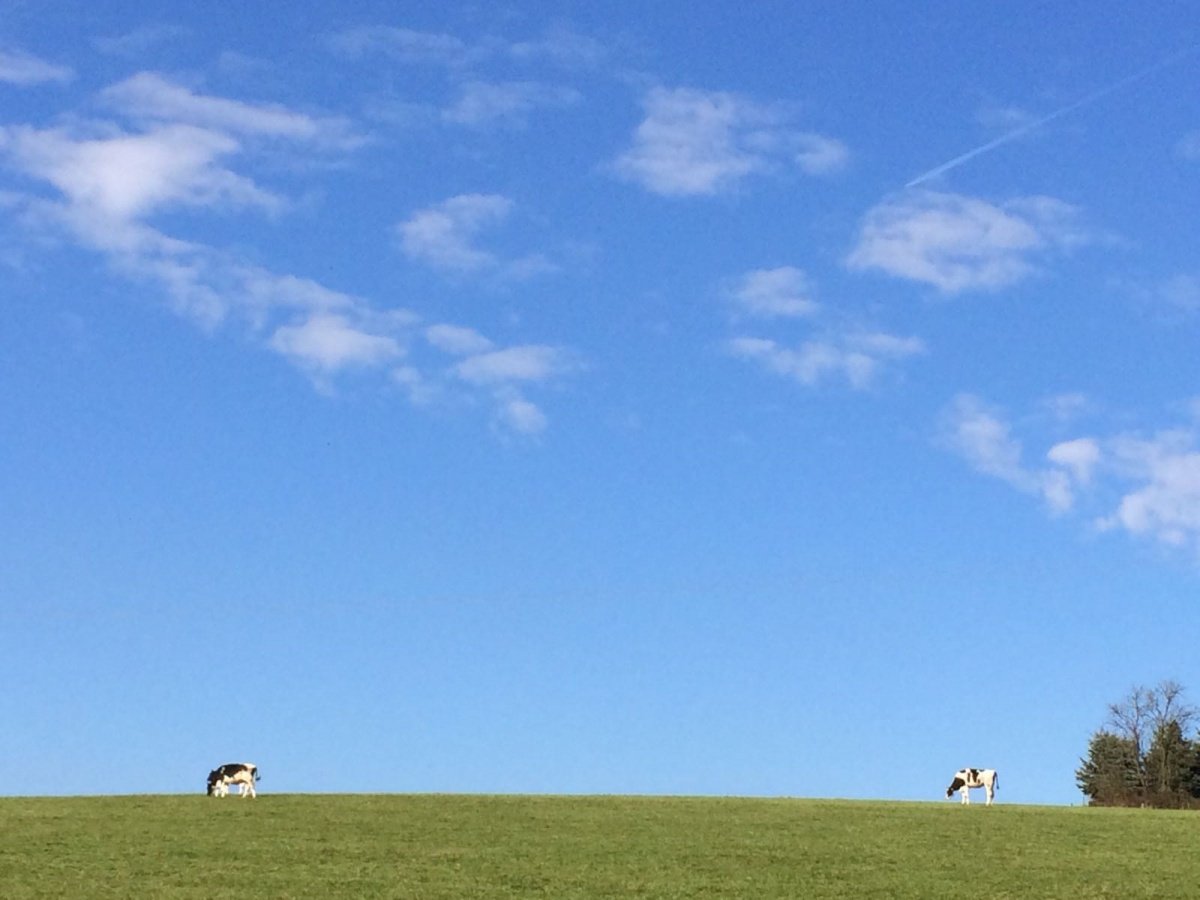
[(456, 847)]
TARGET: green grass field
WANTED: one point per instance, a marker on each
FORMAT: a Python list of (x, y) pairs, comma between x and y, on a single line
[(457, 847)]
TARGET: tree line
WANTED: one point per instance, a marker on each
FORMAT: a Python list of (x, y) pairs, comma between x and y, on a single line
[(1146, 754)]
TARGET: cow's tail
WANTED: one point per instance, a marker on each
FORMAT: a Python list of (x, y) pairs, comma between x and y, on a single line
[(257, 777), (995, 781)]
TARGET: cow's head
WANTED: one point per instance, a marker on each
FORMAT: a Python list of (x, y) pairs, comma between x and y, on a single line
[(214, 782), (954, 786)]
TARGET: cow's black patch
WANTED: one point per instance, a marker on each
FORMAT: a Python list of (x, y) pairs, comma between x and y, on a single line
[(954, 786), (974, 774), (220, 773)]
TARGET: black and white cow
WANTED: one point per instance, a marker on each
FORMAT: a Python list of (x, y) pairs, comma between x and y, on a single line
[(965, 779), (242, 774)]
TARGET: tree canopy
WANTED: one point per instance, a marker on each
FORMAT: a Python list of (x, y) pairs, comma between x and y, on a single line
[(1146, 754)]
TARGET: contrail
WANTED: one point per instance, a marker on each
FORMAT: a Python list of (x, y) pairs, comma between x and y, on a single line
[(1058, 113)]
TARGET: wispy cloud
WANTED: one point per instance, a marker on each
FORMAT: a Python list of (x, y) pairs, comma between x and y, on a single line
[(483, 103), (1078, 456), (530, 363), (563, 46), (404, 45), (24, 69), (107, 187), (560, 46), (1165, 501), (1155, 479), (517, 414), (327, 343), (179, 152), (444, 237), (956, 242), (120, 177), (505, 373), (817, 154), (983, 437), (855, 357), (694, 142), (458, 340), (834, 351), (149, 96), (785, 291)]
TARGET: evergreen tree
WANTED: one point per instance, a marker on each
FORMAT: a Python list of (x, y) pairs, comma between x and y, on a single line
[(1109, 775)]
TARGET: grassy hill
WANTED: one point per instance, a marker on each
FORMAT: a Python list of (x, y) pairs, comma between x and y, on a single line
[(459, 847)]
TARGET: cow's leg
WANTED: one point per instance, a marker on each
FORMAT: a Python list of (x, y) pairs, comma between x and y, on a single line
[(966, 795), (991, 792)]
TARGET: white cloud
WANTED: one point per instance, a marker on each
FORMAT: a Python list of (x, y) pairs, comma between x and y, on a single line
[(267, 291), (1156, 480), (982, 437), (528, 363), (129, 176), (24, 69), (457, 340), (150, 96), (820, 155), (784, 291), (705, 142), (327, 343), (110, 183), (111, 179), (955, 242), (886, 346), (563, 47), (858, 357), (517, 414), (1066, 407), (442, 235), (1078, 456), (502, 373), (483, 103), (196, 282), (853, 354), (1165, 501)]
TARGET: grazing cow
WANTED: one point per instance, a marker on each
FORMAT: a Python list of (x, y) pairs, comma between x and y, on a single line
[(242, 774), (965, 779)]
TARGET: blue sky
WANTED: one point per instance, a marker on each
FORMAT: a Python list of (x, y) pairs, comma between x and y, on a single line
[(785, 399)]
